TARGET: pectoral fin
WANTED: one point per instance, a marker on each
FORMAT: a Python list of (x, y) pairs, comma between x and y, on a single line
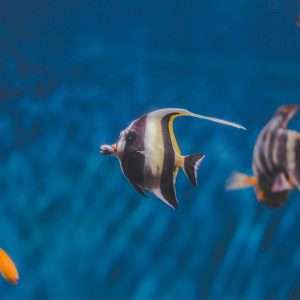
[(281, 184)]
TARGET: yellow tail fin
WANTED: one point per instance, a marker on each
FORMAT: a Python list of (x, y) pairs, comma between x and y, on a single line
[(239, 181)]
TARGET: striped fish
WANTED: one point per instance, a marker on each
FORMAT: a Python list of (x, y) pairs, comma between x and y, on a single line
[(149, 154), (8, 268), (276, 161)]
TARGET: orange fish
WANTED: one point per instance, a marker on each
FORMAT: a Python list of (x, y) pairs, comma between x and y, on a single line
[(8, 268)]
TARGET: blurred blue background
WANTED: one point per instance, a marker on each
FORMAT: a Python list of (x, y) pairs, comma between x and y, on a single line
[(72, 75)]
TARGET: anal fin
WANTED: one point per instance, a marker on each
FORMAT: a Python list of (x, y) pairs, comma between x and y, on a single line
[(169, 198), (281, 184)]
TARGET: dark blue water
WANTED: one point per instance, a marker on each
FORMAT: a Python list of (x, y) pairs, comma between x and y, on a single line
[(72, 75)]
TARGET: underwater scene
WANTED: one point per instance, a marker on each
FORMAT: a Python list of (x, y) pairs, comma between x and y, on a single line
[(74, 221)]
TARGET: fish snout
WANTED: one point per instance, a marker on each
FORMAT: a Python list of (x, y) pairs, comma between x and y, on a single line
[(108, 149)]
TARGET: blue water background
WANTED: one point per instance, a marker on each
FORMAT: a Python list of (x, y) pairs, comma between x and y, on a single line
[(75, 73)]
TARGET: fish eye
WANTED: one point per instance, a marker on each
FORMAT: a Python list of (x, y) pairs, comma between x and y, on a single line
[(130, 137)]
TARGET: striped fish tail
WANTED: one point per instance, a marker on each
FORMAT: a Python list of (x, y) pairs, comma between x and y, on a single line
[(239, 181), (191, 165)]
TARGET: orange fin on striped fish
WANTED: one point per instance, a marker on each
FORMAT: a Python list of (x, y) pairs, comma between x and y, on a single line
[(239, 181), (281, 184), (288, 112), (8, 268)]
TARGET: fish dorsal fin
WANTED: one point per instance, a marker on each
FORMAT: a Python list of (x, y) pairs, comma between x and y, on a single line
[(217, 120), (173, 113), (281, 184), (179, 112), (286, 113)]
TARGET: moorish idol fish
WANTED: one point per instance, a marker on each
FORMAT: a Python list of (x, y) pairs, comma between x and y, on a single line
[(8, 268), (149, 154), (276, 161)]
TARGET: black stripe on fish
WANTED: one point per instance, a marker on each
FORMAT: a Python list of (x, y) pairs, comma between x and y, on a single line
[(271, 148), (266, 181), (261, 156), (264, 166), (167, 178), (297, 157), (278, 152), (133, 167), (264, 150), (133, 158), (281, 149)]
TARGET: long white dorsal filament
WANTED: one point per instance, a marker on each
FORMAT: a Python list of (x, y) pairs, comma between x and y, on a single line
[(216, 120)]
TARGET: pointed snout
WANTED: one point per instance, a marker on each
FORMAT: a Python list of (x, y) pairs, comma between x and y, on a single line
[(108, 149)]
